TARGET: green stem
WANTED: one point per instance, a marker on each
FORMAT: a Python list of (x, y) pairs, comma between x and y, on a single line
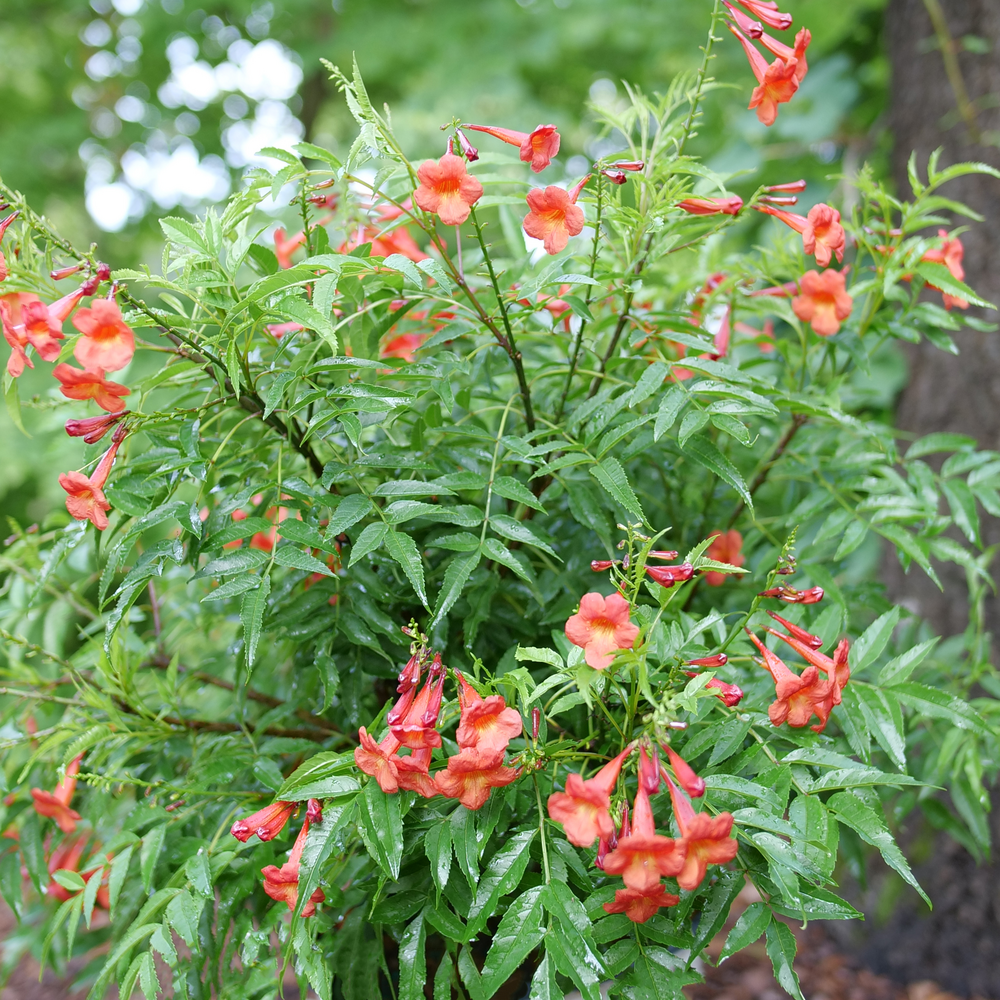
[(541, 831), (701, 79), (511, 346)]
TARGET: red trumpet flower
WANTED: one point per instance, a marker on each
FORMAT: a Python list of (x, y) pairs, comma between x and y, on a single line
[(950, 254), (712, 206), (108, 342), (413, 773), (719, 660), (749, 27), (379, 760), (285, 246), (55, 805), (537, 148), (706, 840), (686, 778), (776, 83), (798, 54), (583, 807), (486, 723), (67, 857), (822, 234), (667, 576), (86, 500), (601, 627), (640, 906), (266, 823), (797, 698), (93, 385), (792, 596), (643, 856), (554, 215), (837, 668), (797, 186), (823, 302), (767, 11), (92, 429), (282, 884), (447, 189), (806, 638), (471, 774), (416, 729)]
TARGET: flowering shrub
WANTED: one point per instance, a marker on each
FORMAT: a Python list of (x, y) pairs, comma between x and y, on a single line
[(356, 656)]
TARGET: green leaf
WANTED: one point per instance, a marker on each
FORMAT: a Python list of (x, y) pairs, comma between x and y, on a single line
[(116, 879), (781, 951), (293, 558), (349, 511), (899, 669), (368, 541), (941, 441), (940, 277), (325, 775), (252, 614), (33, 851), (403, 549), (437, 847), (469, 973), (519, 531), (463, 838), (518, 935), (69, 879), (502, 876), (611, 475), (199, 872), (382, 827), (861, 818), (509, 488), (183, 914), (443, 920), (11, 882), (859, 777), (456, 575), (704, 452), (412, 960), (182, 232), (962, 502), (940, 705), (752, 923), (149, 983), (715, 909), (575, 958), (150, 852), (544, 985), (444, 977), (885, 721), (320, 844), (658, 975), (536, 654)]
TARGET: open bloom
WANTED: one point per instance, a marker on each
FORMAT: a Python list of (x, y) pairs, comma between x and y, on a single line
[(712, 206), (55, 805), (776, 82), (583, 807), (600, 627), (767, 11), (447, 189), (93, 385), (797, 698), (92, 429), (486, 723), (28, 320), (640, 906), (537, 147), (706, 839), (555, 215), (413, 773), (267, 823), (285, 246), (643, 856), (725, 548), (836, 668), (282, 884), (379, 760), (385, 243), (107, 342), (822, 234), (798, 54), (471, 774), (85, 498), (404, 346), (950, 254), (823, 302)]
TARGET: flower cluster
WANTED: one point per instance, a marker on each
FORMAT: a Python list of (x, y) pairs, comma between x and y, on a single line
[(635, 851), (485, 728), (106, 344)]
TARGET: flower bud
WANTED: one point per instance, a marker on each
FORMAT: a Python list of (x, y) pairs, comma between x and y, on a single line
[(719, 660), (599, 565), (790, 186)]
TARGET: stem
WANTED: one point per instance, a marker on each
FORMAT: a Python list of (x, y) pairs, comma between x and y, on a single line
[(512, 351), (590, 291), (952, 70), (541, 831), (701, 78)]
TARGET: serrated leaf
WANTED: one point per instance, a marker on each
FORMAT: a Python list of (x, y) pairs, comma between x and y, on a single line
[(899, 669), (437, 847), (612, 478), (456, 575), (781, 950), (752, 923), (519, 531), (940, 705), (382, 827), (885, 721), (868, 647), (252, 616), (412, 960), (517, 936), (705, 453), (368, 541), (293, 558), (403, 549), (501, 877), (510, 489), (941, 278)]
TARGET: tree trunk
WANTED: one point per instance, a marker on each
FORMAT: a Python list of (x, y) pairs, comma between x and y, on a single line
[(948, 393), (958, 944)]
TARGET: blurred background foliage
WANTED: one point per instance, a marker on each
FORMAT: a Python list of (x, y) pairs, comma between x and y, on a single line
[(117, 112)]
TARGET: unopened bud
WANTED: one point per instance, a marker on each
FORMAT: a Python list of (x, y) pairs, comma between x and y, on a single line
[(314, 811), (536, 721), (773, 199), (797, 186), (599, 565), (65, 272)]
